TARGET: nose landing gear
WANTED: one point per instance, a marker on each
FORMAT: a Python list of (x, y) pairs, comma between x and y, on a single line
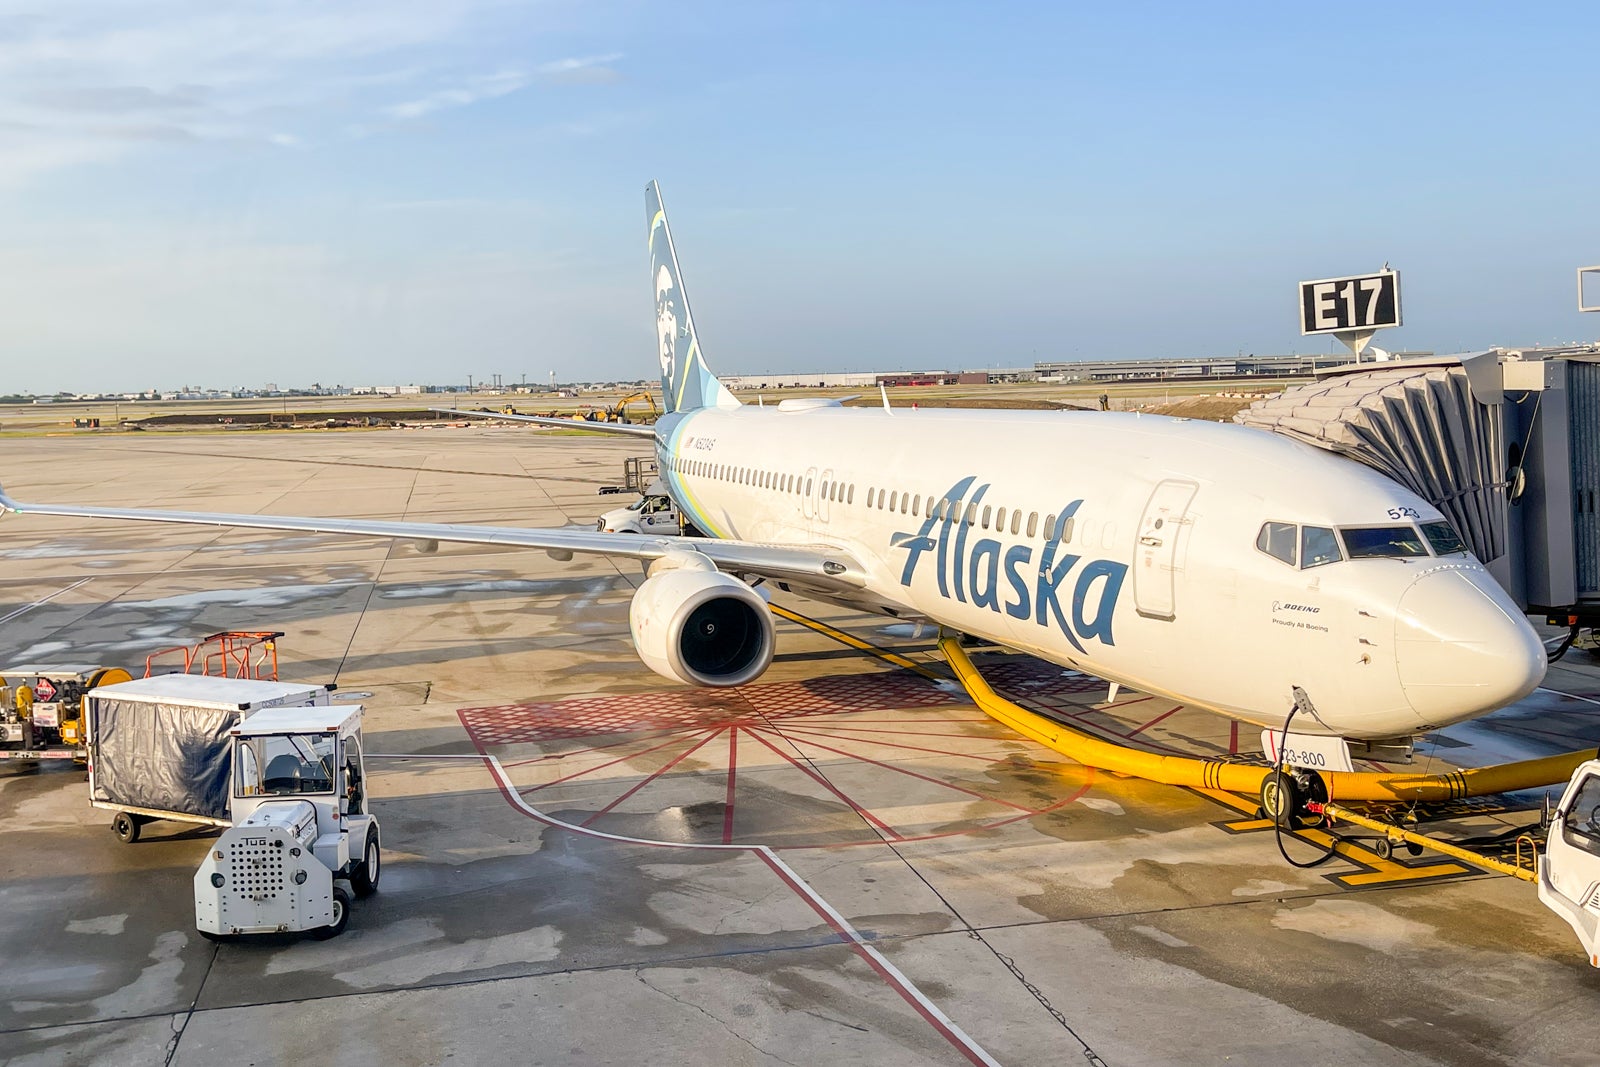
[(1285, 794)]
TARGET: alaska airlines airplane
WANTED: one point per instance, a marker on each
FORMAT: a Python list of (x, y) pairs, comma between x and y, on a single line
[(1219, 566)]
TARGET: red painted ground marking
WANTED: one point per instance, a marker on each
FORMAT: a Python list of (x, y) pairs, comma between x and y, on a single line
[(922, 1007), (1153, 721), (915, 731), (902, 770), (843, 693), (674, 739), (829, 786), (510, 724), (679, 758), (733, 769), (826, 709), (567, 752), (824, 731), (1096, 729), (913, 996), (1233, 738), (1031, 676), (939, 721)]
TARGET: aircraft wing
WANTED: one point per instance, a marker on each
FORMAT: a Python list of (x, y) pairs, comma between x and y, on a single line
[(818, 565), (622, 428)]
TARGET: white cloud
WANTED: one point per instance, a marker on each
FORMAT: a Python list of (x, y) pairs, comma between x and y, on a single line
[(486, 87), (90, 80), (583, 70)]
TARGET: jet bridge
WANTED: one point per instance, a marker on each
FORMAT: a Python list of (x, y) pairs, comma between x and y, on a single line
[(1506, 443)]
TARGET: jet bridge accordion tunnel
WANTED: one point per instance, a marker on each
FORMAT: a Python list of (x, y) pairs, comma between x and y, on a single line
[(1506, 443)]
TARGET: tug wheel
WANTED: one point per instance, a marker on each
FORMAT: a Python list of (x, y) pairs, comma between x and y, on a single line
[(341, 916), (364, 878)]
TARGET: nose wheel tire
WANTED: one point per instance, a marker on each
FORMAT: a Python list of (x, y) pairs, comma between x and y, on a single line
[(1284, 795), (364, 878), (1279, 798), (341, 917)]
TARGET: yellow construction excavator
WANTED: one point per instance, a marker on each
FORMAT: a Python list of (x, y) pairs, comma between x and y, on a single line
[(619, 411)]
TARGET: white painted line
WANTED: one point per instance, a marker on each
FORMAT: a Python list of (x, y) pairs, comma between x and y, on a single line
[(957, 1037), (1542, 689), (45, 600)]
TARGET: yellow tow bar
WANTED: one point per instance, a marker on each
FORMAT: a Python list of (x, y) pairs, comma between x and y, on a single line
[(1197, 773), (1396, 834)]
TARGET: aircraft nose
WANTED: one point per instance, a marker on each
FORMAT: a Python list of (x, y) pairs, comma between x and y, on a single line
[(1463, 647)]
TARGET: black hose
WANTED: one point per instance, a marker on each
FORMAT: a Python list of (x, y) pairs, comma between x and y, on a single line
[(1561, 650), (1277, 823)]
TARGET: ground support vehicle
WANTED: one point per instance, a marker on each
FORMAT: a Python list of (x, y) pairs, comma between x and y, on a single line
[(160, 748), (1569, 870), (300, 824), (41, 709), (653, 513)]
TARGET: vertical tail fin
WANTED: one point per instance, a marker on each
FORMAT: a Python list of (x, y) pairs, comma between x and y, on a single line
[(686, 382)]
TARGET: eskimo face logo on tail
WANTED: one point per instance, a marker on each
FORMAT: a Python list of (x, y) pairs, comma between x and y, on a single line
[(971, 574), (667, 323)]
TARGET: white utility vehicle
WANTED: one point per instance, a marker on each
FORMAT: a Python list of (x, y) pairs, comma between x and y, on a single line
[(652, 513), (300, 823), (1569, 870)]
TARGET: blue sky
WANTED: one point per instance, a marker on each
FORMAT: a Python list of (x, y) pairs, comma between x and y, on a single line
[(229, 193)]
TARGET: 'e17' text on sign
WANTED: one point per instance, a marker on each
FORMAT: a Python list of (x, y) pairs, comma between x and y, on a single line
[(1363, 302)]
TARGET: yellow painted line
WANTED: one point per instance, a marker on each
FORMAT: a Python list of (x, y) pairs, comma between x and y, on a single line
[(855, 642), (1397, 873)]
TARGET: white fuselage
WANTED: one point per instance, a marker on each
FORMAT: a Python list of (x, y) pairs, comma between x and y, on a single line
[(1125, 546)]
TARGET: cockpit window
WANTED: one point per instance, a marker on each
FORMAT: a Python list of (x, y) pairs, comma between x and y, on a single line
[(1277, 539), (1318, 545), (1443, 537), (1366, 542)]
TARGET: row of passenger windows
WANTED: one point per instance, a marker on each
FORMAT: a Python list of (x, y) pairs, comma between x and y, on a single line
[(988, 516), (1312, 546)]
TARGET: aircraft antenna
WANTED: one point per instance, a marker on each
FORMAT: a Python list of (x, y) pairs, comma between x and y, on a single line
[(884, 389)]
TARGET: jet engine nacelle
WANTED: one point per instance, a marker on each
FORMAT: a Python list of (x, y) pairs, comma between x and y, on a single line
[(697, 625)]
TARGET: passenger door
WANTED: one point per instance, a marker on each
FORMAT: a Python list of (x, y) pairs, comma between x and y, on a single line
[(1155, 555)]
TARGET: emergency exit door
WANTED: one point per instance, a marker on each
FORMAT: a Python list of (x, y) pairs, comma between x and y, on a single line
[(1156, 559)]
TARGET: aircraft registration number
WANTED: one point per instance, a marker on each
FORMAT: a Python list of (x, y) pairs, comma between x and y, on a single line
[(1308, 750)]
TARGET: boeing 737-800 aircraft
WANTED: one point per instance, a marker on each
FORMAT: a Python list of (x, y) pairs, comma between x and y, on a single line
[(1220, 566)]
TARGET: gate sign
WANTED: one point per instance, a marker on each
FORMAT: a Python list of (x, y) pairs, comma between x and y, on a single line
[(1364, 302), (1589, 288)]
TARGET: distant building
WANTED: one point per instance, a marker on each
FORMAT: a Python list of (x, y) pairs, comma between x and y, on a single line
[(1117, 370), (803, 380)]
